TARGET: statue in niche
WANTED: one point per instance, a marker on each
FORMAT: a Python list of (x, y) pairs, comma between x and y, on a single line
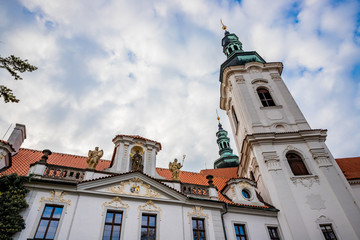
[(136, 162), (94, 157), (174, 167)]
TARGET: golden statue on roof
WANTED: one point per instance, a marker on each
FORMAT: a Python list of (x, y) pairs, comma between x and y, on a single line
[(94, 157), (174, 168)]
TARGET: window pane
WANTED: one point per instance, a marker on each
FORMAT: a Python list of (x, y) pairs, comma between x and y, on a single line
[(144, 220), (241, 230), (194, 224), (201, 224), (41, 229), (152, 221), (109, 217), (143, 233), (237, 230), (195, 236), (151, 233), (47, 212), (118, 218), (116, 233), (57, 212)]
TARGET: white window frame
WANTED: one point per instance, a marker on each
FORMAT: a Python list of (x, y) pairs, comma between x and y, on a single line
[(157, 214), (123, 221), (247, 232), (40, 213), (274, 226)]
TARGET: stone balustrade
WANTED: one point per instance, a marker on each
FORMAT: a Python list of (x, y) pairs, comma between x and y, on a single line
[(194, 189), (62, 172)]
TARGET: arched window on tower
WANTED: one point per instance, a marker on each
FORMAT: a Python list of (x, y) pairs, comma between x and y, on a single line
[(297, 165), (236, 47), (265, 97)]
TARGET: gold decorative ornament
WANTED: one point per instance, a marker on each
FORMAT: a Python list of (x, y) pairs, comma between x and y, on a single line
[(94, 157), (198, 212), (139, 188), (149, 206), (223, 26), (56, 197), (116, 202)]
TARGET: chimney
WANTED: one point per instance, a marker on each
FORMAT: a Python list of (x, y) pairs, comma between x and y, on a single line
[(17, 137)]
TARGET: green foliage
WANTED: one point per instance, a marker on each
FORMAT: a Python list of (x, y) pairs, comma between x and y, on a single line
[(14, 65), (12, 203)]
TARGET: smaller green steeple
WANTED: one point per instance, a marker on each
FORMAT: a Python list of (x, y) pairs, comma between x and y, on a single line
[(227, 158)]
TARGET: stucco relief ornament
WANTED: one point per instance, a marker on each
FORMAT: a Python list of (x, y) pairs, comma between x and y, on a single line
[(150, 206), (116, 202), (240, 79), (197, 212), (56, 197), (315, 202), (135, 187), (94, 157), (306, 181)]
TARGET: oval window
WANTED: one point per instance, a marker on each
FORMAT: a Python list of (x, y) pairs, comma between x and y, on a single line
[(245, 193)]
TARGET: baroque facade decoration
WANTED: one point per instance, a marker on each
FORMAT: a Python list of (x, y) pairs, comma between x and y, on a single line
[(284, 185)]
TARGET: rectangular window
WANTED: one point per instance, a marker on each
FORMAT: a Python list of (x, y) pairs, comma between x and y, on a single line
[(236, 121), (240, 232), (198, 229), (328, 231), (112, 227), (49, 222), (148, 227), (273, 233)]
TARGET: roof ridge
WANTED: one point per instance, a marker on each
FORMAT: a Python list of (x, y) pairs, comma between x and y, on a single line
[(68, 154)]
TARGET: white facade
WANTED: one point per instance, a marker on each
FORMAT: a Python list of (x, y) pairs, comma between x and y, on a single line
[(265, 134)]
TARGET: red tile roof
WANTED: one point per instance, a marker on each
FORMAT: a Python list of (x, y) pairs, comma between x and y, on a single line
[(200, 179), (22, 160), (350, 167), (221, 172), (138, 137)]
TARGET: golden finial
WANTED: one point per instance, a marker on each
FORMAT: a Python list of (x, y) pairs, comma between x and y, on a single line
[(223, 26), (218, 118)]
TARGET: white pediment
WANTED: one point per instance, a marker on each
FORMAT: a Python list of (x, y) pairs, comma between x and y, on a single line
[(132, 185)]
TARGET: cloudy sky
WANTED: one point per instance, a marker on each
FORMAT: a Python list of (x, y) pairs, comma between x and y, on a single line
[(151, 68)]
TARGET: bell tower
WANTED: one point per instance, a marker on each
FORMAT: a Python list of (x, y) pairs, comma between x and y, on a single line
[(290, 162)]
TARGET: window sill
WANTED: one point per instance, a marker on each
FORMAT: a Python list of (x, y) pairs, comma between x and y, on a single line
[(272, 107)]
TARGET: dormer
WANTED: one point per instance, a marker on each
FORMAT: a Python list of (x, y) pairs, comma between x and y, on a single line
[(135, 153), (242, 191)]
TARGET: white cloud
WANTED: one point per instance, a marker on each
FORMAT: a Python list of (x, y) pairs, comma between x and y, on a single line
[(151, 68)]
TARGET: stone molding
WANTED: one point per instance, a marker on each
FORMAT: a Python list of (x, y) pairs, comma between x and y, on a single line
[(275, 76), (272, 161), (321, 157)]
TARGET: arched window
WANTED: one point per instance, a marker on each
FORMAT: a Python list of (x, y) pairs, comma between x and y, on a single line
[(265, 97), (297, 165), (236, 47)]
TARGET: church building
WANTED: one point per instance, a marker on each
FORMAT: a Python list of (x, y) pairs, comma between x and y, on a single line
[(285, 184)]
